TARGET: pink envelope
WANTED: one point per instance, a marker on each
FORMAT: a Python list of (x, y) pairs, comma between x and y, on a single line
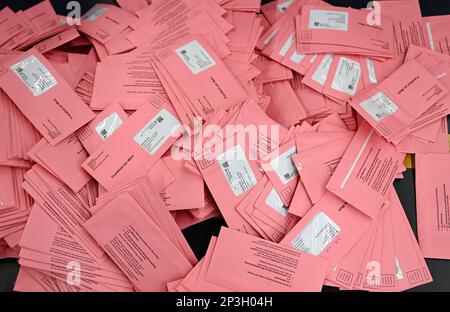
[(186, 182), (101, 127), (440, 146), (345, 274), (133, 6), (147, 135), (27, 33), (253, 265), (345, 79), (44, 18), (270, 70), (128, 79), (177, 16), (7, 193), (328, 229), (437, 33), (407, 23), (245, 209), (10, 25), (103, 21), (301, 202), (57, 40), (195, 281), (63, 160), (321, 26), (192, 63), (410, 264), (284, 105), (391, 106), (50, 248), (316, 165), (377, 270), (67, 208), (273, 10), (26, 283), (138, 247), (432, 182), (317, 74), (270, 208), (43, 96), (366, 172), (279, 42), (142, 191), (229, 174), (281, 170)]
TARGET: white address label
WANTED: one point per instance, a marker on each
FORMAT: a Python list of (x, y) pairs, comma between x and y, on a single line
[(196, 58), (284, 166), (157, 131), (237, 170), (379, 106), (346, 77), (325, 19), (274, 201), (316, 235), (107, 126), (34, 75)]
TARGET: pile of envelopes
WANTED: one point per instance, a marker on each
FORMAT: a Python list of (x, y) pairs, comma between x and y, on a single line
[(291, 120)]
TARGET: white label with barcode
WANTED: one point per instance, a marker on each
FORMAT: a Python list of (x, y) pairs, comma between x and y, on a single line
[(157, 131), (379, 106), (274, 201), (316, 235), (284, 166), (236, 170), (320, 75), (195, 57), (94, 13), (346, 77), (325, 19), (34, 75), (107, 126), (371, 70)]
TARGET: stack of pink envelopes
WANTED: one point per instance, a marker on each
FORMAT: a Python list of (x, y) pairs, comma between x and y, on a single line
[(290, 120)]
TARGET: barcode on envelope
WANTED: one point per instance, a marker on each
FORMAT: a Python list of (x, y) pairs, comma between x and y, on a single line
[(195, 57), (379, 106), (316, 235), (34, 75)]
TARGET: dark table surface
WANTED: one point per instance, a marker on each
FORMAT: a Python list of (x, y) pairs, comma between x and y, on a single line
[(199, 235)]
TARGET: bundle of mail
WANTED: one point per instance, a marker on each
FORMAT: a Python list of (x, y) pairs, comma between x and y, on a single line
[(291, 120)]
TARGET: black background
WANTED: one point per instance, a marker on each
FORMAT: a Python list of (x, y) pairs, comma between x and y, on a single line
[(199, 235)]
